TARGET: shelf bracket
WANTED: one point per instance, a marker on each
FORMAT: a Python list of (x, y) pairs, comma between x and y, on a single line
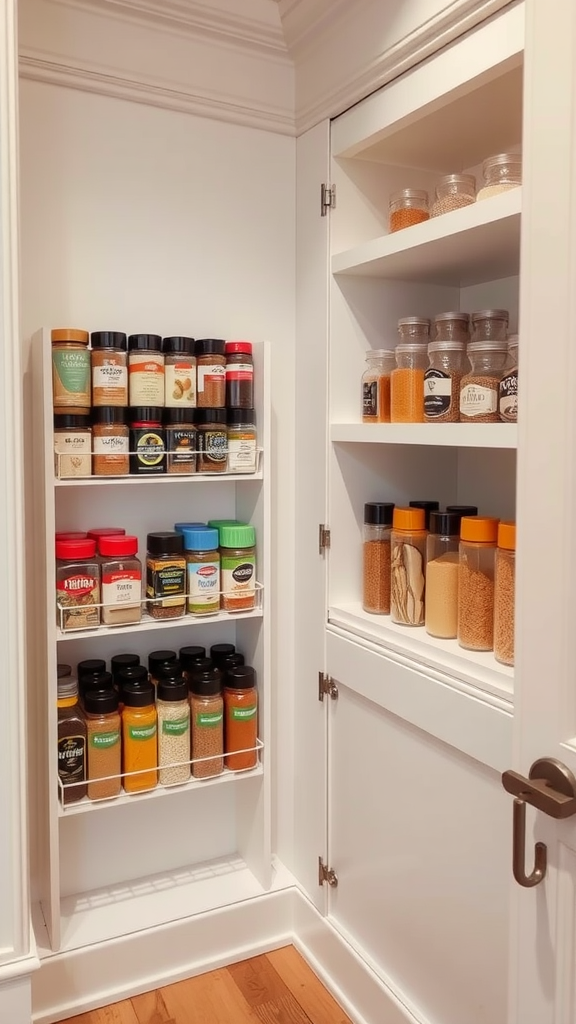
[(326, 687), (326, 874), (327, 198)]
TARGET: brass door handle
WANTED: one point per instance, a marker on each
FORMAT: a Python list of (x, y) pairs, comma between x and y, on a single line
[(551, 788)]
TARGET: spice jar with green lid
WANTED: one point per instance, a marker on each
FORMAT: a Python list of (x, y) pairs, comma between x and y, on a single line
[(70, 371), (71, 738), (238, 552), (203, 571)]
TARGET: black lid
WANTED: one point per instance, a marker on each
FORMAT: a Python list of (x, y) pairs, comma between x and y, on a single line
[(90, 667), (463, 510), (62, 670), (169, 670), (172, 690), (108, 339), (137, 695), (165, 543), (428, 506), (206, 684), (241, 677), (151, 342), (157, 658), (231, 661), (146, 413), (121, 661), (179, 344), (133, 674), (210, 347), (202, 665), (237, 417), (219, 651), (378, 513), (189, 655), (71, 421), (109, 414), (446, 523), (102, 701), (210, 416), (177, 415)]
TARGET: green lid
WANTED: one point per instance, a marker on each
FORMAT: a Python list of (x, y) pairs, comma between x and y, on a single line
[(237, 536), (215, 524)]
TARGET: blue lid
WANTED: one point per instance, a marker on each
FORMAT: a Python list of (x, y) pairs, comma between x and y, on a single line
[(180, 527), (200, 540)]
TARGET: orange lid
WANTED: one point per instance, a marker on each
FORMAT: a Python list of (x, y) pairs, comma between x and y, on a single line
[(70, 334), (482, 529), (507, 536), (409, 519)]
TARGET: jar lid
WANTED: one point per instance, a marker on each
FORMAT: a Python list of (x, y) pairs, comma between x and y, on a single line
[(131, 674), (67, 687), (507, 535), (170, 670), (502, 158), (176, 416), (409, 193), (91, 667), (179, 527), (241, 417), (74, 549), (237, 536), (120, 662), (487, 346), (202, 665), (200, 540), (69, 334), (409, 519), (483, 529), (239, 346), (110, 414), (120, 545), (72, 535), (178, 344), (490, 314), (414, 321), (63, 671), (457, 179), (447, 346), (158, 658), (380, 353), (242, 677), (106, 531), (146, 342), (189, 655), (412, 346), (463, 510), (203, 416), (108, 339), (445, 523), (231, 661), (219, 651), (427, 506), (146, 414), (68, 422), (378, 513), (442, 317), (164, 542), (210, 347), (103, 701), (206, 684), (137, 695), (172, 691)]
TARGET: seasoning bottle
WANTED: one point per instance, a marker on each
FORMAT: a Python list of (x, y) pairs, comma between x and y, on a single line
[(120, 662), (145, 370), (188, 657), (376, 557), (242, 452), (71, 738), (109, 368), (504, 594), (407, 383), (479, 387), (179, 372), (212, 440), (139, 738), (70, 372), (463, 510), (157, 660), (111, 444), (452, 326), (238, 568), (207, 716), (414, 329), (428, 506), (376, 386), (453, 191), (147, 440), (220, 651), (104, 748), (77, 584), (165, 575), (173, 712), (501, 173), (489, 325), (181, 440), (231, 662), (409, 206), (508, 386), (478, 536), (448, 362), (408, 566), (89, 672), (239, 375), (441, 618), (135, 674), (211, 373), (121, 580), (72, 446), (203, 570), (240, 719)]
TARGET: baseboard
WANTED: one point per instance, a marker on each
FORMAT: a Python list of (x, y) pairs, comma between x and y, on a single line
[(15, 1000)]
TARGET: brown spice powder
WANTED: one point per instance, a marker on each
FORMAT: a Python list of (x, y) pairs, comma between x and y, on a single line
[(207, 735), (504, 594), (475, 609), (376, 577)]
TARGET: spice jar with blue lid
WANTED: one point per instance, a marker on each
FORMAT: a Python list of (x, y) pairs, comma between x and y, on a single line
[(203, 570)]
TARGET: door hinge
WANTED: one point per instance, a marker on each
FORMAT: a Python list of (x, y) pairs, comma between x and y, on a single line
[(326, 687), (327, 198), (323, 538), (326, 874)]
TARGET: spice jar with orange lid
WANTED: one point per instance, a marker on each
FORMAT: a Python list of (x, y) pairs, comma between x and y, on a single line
[(109, 368), (139, 737), (407, 383), (240, 718), (504, 593), (408, 561), (478, 537), (70, 371), (407, 207)]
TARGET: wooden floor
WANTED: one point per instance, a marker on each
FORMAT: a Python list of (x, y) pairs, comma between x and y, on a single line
[(277, 988)]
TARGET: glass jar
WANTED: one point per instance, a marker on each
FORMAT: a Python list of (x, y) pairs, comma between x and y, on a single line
[(173, 712), (157, 660), (145, 370), (448, 362), (508, 386), (189, 657), (408, 561), (501, 173), (211, 373), (407, 384), (504, 593), (139, 737), (242, 453), (70, 372), (407, 207), (428, 507), (376, 386), (72, 752), (181, 441), (103, 733), (414, 329), (179, 372), (147, 440), (478, 536), (212, 440), (479, 388), (453, 191), (239, 375), (203, 571), (452, 326), (441, 618), (109, 368), (376, 557), (241, 719), (207, 715), (121, 580), (111, 444), (77, 584), (165, 575), (238, 568), (72, 446), (489, 325)]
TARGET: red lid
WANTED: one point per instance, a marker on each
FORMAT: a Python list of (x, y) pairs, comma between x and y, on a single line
[(239, 346), (75, 548), (72, 535), (106, 531), (119, 545)]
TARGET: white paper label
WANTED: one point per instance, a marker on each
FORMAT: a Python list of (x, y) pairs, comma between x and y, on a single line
[(476, 400), (438, 386), (180, 384), (212, 373), (110, 376), (111, 445), (122, 588), (242, 455)]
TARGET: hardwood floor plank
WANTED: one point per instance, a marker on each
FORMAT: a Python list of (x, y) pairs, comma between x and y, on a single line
[(264, 990), (208, 999), (284, 1010), (118, 1013), (306, 988), (150, 1008)]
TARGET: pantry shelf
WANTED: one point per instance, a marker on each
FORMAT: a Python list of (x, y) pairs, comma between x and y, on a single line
[(449, 435), (148, 624), (160, 478), (478, 243)]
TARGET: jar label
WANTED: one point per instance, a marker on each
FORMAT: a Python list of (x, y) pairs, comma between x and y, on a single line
[(71, 759), (437, 392), (203, 584), (175, 726), (142, 733), (242, 714), (110, 384), (370, 399), (104, 740), (180, 384), (150, 449), (209, 719), (166, 580), (77, 587), (210, 374), (72, 454), (71, 378), (146, 376), (238, 575), (475, 400), (114, 444), (121, 587), (240, 371), (242, 452), (213, 445), (181, 443), (508, 397)]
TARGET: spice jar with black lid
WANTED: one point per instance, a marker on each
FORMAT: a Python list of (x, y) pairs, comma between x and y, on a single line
[(428, 506), (441, 619), (145, 370), (110, 444), (88, 670), (189, 657), (104, 747), (147, 440), (72, 446), (212, 440), (181, 440), (157, 660), (220, 651), (463, 510), (240, 718), (239, 375), (72, 752), (165, 575), (207, 717), (376, 557), (173, 730), (120, 662), (179, 372), (211, 373), (109, 368), (242, 455)]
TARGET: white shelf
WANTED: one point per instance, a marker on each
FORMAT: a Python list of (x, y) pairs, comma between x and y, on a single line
[(451, 435), (148, 624), (158, 478), (478, 243)]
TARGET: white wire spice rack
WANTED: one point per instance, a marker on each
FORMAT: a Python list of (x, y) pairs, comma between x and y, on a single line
[(82, 479)]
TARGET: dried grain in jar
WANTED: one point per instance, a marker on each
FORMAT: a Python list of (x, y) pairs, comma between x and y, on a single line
[(408, 560), (478, 535), (181, 441), (504, 593), (77, 584), (501, 173), (179, 372), (207, 717), (145, 370), (104, 746), (173, 711), (441, 619), (203, 570), (442, 381), (409, 206), (109, 361), (121, 580), (165, 575), (479, 388), (139, 738), (72, 446), (453, 192), (376, 386), (70, 371), (407, 384), (376, 557), (211, 373), (240, 718), (110, 444)]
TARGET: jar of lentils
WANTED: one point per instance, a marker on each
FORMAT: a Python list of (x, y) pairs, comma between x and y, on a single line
[(442, 381), (407, 384), (501, 173), (454, 191), (409, 206), (479, 388)]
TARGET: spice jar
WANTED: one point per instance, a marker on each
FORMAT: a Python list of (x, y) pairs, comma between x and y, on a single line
[(147, 440), (478, 536), (71, 738), (173, 712), (407, 207), (239, 375), (72, 446), (109, 368), (139, 737), (376, 557), (463, 510), (77, 584), (218, 652), (207, 716), (414, 328), (231, 661), (479, 388), (428, 506), (121, 580), (376, 386), (165, 575), (70, 372), (504, 593), (211, 373), (408, 557), (103, 732), (189, 657), (407, 384), (157, 660), (203, 570), (111, 443), (489, 325), (212, 440), (181, 441), (240, 719), (442, 559), (179, 372), (238, 568), (453, 191), (242, 453), (119, 663), (501, 173), (89, 671), (145, 370), (448, 362), (508, 386), (452, 326)]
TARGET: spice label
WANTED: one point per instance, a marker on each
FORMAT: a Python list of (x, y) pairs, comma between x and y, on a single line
[(213, 444), (77, 587), (370, 399), (104, 740), (71, 759), (241, 452), (240, 371), (109, 384), (238, 575), (242, 714), (203, 583), (146, 376), (122, 587), (71, 376), (72, 454), (508, 397), (142, 733), (176, 726), (180, 384), (166, 580), (476, 400), (149, 450), (210, 374), (182, 446), (209, 719), (437, 392), (113, 445)]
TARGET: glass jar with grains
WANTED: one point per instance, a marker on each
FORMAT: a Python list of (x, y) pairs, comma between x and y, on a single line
[(72, 446), (207, 715), (479, 388), (211, 373), (478, 536), (407, 384), (110, 445), (173, 729), (408, 560), (508, 387), (104, 746), (504, 594), (448, 362), (121, 580), (165, 575), (408, 206), (77, 584), (179, 372), (376, 557), (72, 754), (70, 372), (109, 368), (139, 737), (454, 191), (489, 325), (376, 386), (414, 329), (501, 173), (442, 544)]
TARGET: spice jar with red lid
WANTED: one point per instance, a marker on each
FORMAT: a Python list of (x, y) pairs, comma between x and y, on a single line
[(121, 580), (77, 584), (105, 531), (239, 375)]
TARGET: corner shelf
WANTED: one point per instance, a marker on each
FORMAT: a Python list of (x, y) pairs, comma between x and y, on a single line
[(452, 435)]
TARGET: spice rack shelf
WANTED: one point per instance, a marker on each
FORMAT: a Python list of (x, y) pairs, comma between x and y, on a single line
[(160, 478), (149, 624), (445, 435), (478, 243)]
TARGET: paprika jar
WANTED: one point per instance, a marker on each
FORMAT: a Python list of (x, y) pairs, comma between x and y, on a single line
[(77, 584), (409, 206), (104, 746), (145, 370), (207, 716), (376, 386), (72, 446), (109, 368), (407, 383), (212, 440), (70, 372), (165, 575), (478, 537), (72, 753), (147, 441), (376, 557), (121, 580), (239, 375), (238, 568), (211, 373), (448, 362), (139, 737), (479, 388), (240, 719), (203, 570), (110, 444), (407, 570), (173, 712), (179, 372), (505, 593)]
